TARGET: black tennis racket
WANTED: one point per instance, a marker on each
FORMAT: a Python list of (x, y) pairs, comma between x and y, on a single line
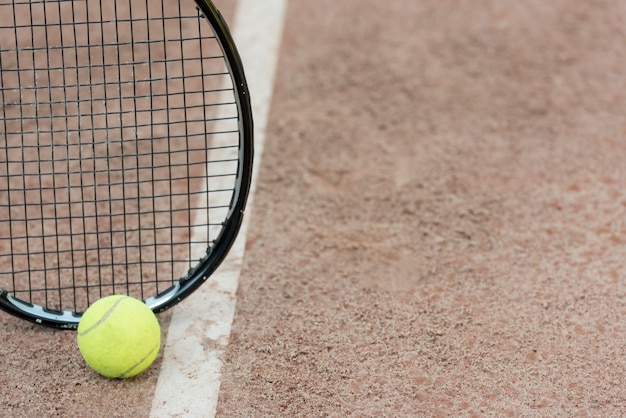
[(125, 152)]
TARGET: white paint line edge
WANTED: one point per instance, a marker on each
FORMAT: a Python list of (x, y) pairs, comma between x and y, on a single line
[(189, 381)]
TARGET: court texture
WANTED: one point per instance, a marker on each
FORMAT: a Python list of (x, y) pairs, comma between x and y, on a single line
[(437, 226)]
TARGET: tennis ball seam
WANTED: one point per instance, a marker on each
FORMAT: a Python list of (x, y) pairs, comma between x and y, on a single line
[(103, 318), (109, 343), (127, 372)]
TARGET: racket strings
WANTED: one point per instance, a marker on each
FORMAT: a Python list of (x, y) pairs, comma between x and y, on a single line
[(119, 147)]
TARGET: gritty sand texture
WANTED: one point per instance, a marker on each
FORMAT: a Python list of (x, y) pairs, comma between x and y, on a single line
[(439, 225), (438, 228)]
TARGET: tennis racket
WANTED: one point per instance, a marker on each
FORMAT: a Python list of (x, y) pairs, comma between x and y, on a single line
[(125, 152)]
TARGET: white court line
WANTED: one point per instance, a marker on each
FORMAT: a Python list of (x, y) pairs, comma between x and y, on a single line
[(199, 330)]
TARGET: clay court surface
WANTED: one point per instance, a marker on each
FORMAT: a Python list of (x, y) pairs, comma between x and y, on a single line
[(439, 225)]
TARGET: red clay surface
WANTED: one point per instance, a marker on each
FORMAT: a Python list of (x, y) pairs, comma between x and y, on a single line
[(438, 227)]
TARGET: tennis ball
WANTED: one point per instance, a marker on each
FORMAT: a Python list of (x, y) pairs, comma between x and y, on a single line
[(119, 336)]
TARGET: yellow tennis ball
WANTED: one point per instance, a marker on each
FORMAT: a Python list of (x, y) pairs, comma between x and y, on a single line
[(119, 336)]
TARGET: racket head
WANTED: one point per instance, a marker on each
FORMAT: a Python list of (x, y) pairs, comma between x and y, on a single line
[(125, 155)]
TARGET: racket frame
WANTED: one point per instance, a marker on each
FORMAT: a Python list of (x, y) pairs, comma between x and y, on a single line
[(218, 249)]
